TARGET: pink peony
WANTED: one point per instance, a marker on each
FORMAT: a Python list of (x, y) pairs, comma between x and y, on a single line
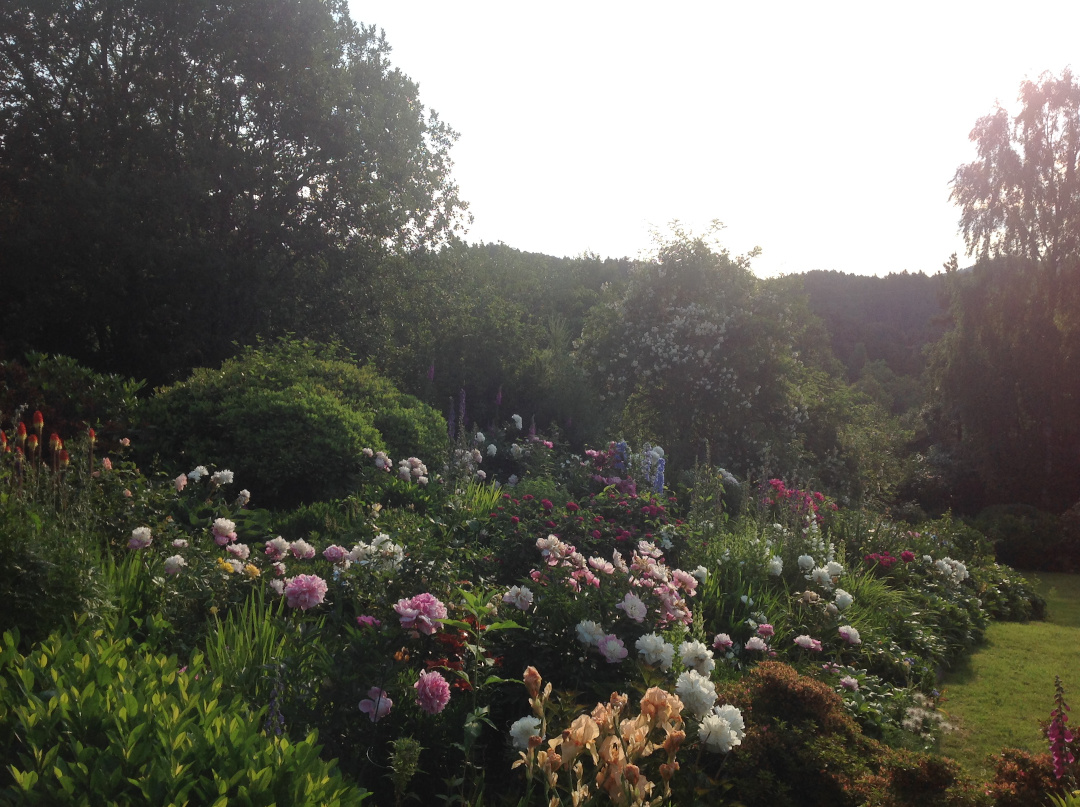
[(140, 538), (722, 642), (765, 630), (432, 691), (611, 647), (376, 705), (305, 591), (420, 612), (335, 553), (276, 548), (365, 621), (180, 482), (224, 531), (301, 549)]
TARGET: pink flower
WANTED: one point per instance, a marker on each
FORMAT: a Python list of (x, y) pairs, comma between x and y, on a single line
[(765, 630), (849, 634), (907, 556), (368, 622), (276, 548), (611, 647), (808, 643), (756, 643), (847, 682), (140, 538), (376, 705), (335, 553), (224, 531), (180, 481), (432, 691), (301, 549), (106, 463), (633, 607), (420, 612), (305, 591), (722, 642)]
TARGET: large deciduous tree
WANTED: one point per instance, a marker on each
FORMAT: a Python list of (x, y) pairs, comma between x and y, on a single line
[(176, 176), (1007, 375)]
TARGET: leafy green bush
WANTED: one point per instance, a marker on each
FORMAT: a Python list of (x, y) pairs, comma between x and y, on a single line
[(100, 719), (291, 419), (1028, 538)]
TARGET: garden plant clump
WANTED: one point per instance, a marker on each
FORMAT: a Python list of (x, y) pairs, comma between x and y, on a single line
[(518, 624)]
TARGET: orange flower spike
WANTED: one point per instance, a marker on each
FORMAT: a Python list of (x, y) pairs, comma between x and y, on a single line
[(39, 422), (20, 433), (65, 458), (55, 443), (4, 442), (32, 442), (91, 436)]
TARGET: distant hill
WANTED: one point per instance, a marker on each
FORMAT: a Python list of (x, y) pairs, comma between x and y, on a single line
[(870, 319)]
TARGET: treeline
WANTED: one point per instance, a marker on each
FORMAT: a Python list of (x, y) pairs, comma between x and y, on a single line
[(177, 184)]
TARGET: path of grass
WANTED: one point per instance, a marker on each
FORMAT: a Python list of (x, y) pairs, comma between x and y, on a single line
[(1002, 692)]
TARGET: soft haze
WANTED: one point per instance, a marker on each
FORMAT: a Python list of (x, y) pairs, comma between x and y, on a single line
[(824, 133)]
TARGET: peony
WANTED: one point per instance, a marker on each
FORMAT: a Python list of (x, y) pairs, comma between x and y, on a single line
[(224, 477), (821, 576), (806, 562), (696, 655), (199, 472), (756, 643), (850, 635), (335, 553), (808, 643), (174, 564), (301, 549), (524, 729), (278, 586), (243, 497), (276, 548), (611, 647), (589, 632), (654, 650), (241, 551), (180, 543), (492, 450), (717, 734), (701, 573), (633, 607), (517, 421), (180, 482), (722, 642), (776, 566), (696, 692), (224, 531), (843, 599), (520, 597), (304, 591), (365, 621), (432, 692), (140, 538), (834, 569), (847, 682), (765, 630), (376, 705), (420, 613)]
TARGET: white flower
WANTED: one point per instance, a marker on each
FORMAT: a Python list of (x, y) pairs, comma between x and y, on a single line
[(522, 730), (301, 549), (224, 477), (278, 586), (633, 607), (243, 498), (822, 577), (241, 551), (701, 573), (180, 543), (654, 650), (850, 635), (140, 538), (806, 562), (695, 654), (843, 599), (696, 692), (734, 718), (834, 568), (756, 643), (492, 450), (717, 734), (847, 682), (589, 632), (520, 597), (776, 566), (516, 451), (199, 472), (479, 437), (174, 564), (517, 421)]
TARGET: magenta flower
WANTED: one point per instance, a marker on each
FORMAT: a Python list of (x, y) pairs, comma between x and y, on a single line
[(305, 591), (420, 613), (722, 642), (376, 705), (765, 630), (368, 621), (432, 692), (335, 553), (907, 556)]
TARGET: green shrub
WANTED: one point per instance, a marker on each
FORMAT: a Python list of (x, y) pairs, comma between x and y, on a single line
[(100, 719), (290, 419), (1028, 538)]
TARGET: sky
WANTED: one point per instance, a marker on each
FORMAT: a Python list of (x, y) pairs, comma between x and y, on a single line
[(824, 133)]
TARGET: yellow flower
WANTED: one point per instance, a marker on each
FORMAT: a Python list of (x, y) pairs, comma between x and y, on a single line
[(225, 566), (251, 570)]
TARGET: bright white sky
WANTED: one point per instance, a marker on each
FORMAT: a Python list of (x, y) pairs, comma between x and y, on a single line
[(825, 133)]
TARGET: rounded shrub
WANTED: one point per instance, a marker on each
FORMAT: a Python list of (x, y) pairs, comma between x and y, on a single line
[(290, 419)]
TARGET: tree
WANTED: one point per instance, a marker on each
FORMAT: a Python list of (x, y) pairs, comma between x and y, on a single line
[(1022, 195), (176, 176)]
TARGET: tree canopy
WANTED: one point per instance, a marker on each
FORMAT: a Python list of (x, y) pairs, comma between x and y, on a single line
[(176, 176)]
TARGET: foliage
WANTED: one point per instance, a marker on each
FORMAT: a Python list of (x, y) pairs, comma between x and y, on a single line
[(291, 418), (234, 166), (99, 717)]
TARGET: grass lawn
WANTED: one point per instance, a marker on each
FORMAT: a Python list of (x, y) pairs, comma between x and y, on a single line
[(999, 696)]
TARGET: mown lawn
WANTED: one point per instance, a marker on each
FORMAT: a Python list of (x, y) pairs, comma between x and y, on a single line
[(1000, 695)]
